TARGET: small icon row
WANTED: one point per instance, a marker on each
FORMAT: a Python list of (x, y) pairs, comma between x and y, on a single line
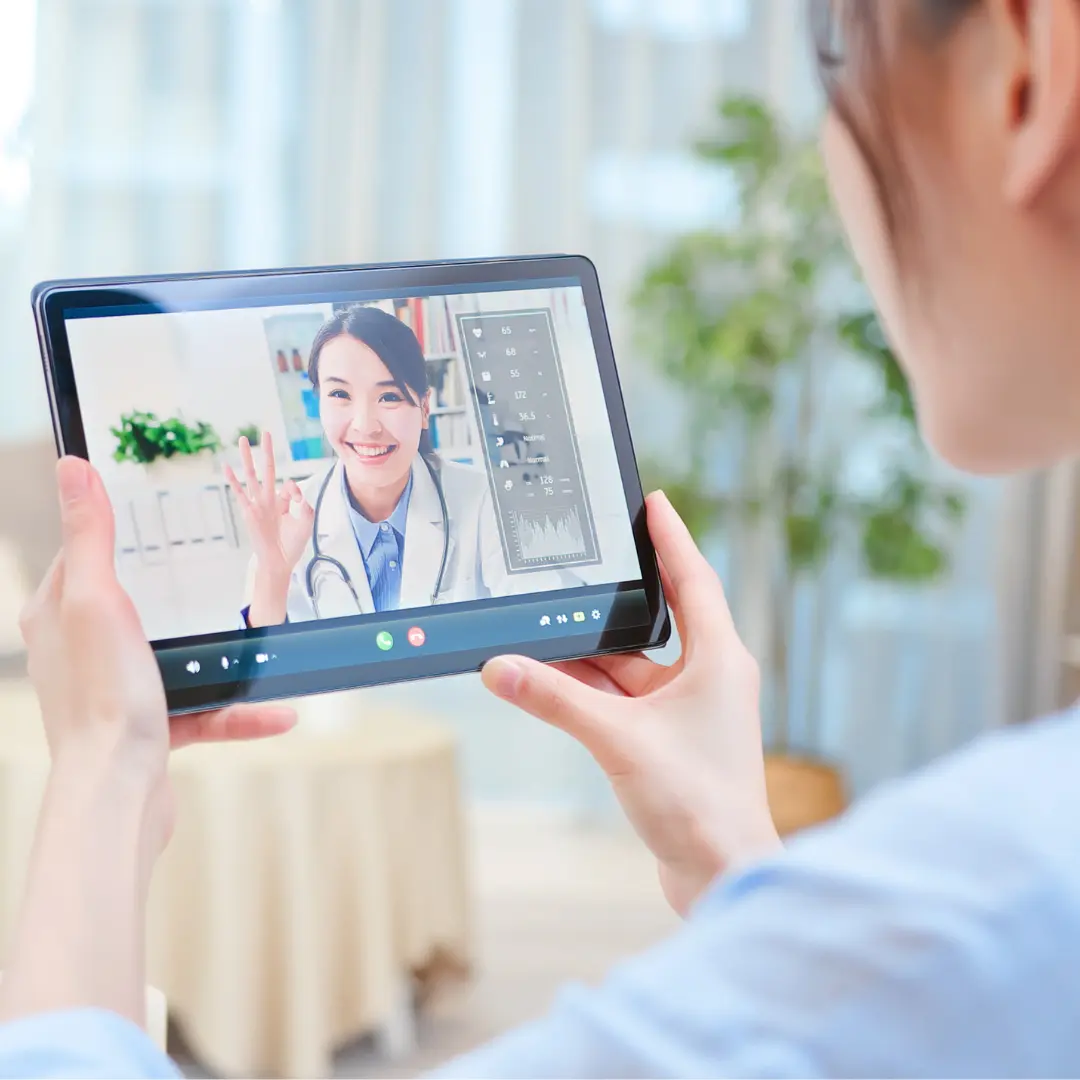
[(577, 616), (504, 331), (193, 667), (383, 639)]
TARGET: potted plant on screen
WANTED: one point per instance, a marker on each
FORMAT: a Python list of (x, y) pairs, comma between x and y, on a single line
[(170, 451), (251, 432), (785, 385)]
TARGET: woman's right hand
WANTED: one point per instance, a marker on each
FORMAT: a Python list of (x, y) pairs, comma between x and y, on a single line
[(279, 525), (681, 745)]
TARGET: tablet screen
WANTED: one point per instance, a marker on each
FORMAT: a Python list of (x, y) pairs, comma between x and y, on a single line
[(358, 479)]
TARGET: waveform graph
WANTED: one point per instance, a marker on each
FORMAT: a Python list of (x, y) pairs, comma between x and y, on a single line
[(549, 535)]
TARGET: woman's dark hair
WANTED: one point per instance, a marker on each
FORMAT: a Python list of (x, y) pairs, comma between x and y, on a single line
[(391, 341), (848, 44)]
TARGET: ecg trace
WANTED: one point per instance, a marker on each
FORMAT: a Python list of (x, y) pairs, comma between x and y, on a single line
[(549, 535)]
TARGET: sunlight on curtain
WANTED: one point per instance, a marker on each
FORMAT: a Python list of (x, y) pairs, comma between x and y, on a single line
[(173, 135), (21, 404)]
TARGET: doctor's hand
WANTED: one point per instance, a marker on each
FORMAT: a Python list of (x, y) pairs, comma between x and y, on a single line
[(279, 525), (681, 745), (100, 689)]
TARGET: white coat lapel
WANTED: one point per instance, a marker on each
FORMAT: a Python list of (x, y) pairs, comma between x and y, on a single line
[(337, 539), (424, 536)]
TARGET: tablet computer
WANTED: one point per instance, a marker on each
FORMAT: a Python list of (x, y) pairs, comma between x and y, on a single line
[(339, 477)]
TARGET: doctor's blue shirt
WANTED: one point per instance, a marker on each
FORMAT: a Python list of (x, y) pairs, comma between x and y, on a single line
[(382, 545), (933, 932)]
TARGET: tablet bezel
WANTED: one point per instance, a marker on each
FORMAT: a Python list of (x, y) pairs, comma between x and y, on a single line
[(317, 284)]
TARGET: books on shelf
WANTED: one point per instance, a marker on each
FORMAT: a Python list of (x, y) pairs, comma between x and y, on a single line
[(430, 320), (445, 379), (439, 327), (451, 430), (411, 313)]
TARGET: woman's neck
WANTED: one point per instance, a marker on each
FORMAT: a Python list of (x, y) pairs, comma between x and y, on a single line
[(376, 503)]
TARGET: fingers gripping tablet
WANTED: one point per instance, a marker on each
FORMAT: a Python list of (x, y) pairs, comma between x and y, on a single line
[(339, 477)]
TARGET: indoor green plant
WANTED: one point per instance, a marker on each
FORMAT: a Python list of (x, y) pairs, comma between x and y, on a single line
[(251, 432), (750, 325), (144, 439)]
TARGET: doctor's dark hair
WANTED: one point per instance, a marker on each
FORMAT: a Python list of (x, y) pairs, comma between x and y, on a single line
[(392, 342), (851, 59)]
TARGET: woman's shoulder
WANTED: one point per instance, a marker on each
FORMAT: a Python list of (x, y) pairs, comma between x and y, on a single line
[(1012, 791)]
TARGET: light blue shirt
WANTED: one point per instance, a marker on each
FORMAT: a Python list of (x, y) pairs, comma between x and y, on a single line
[(382, 545), (80, 1043), (934, 931)]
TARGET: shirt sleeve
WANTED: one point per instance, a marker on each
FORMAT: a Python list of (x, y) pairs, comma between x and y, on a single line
[(933, 932), (87, 1043)]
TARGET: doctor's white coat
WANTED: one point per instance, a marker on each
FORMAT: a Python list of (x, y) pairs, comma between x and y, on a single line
[(475, 566)]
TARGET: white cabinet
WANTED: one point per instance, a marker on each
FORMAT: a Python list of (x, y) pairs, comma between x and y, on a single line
[(182, 558)]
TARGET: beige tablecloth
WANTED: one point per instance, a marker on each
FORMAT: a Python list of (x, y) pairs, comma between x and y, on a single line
[(310, 879)]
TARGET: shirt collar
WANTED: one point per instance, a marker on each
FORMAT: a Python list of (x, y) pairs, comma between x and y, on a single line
[(367, 532)]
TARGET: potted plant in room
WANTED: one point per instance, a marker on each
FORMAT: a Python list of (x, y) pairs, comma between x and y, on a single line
[(783, 388), (230, 452), (170, 451), (251, 432)]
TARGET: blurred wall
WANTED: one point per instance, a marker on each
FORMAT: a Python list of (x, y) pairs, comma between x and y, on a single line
[(172, 135), (30, 517)]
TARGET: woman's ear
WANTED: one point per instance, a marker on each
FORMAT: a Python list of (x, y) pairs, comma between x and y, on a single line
[(425, 409), (1045, 94)]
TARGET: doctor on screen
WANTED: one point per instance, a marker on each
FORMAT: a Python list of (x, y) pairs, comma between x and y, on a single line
[(390, 524)]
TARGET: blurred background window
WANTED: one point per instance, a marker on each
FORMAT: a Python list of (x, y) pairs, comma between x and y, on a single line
[(176, 135), (142, 136)]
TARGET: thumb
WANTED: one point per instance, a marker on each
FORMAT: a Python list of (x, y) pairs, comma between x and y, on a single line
[(552, 696), (86, 518)]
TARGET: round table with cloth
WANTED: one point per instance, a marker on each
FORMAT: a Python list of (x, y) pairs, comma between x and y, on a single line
[(314, 884)]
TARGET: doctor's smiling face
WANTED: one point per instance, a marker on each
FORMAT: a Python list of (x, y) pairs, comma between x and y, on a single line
[(370, 422), (373, 400)]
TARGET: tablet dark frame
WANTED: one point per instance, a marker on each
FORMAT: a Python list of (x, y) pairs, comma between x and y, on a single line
[(53, 300)]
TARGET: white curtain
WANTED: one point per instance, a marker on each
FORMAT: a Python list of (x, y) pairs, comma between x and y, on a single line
[(1039, 579), (193, 134)]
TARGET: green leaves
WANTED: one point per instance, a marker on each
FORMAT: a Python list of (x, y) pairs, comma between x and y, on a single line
[(735, 317), (862, 333), (895, 548), (808, 541), (904, 535), (251, 432), (953, 506), (143, 438), (701, 513), (749, 141)]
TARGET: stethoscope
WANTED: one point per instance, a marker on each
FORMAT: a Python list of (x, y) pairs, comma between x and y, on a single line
[(319, 556)]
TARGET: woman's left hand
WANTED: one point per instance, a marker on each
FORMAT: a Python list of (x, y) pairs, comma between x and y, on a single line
[(102, 698)]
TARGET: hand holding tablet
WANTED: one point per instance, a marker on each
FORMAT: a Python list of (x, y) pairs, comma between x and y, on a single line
[(443, 458)]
